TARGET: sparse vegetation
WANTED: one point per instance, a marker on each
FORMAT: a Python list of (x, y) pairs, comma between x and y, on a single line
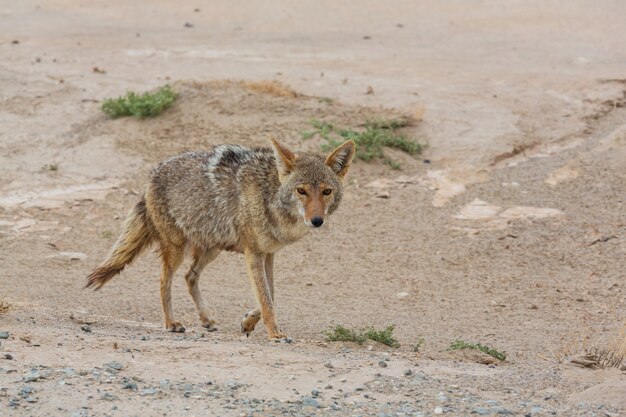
[(140, 105), (370, 140), (416, 347), (460, 344), (50, 167), (384, 336), (343, 334)]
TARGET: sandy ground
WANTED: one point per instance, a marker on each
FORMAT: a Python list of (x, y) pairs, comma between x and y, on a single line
[(508, 230)]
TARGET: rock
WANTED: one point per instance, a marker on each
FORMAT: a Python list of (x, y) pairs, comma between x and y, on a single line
[(328, 386), (408, 372), (315, 393), (4, 335), (438, 410), (8, 356), (115, 366), (383, 194), (535, 410), (86, 329), (329, 365), (187, 388), (130, 385), (148, 391), (382, 364), (69, 371), (30, 400), (32, 376), (481, 411), (402, 295), (442, 397), (107, 396), (310, 402), (26, 389)]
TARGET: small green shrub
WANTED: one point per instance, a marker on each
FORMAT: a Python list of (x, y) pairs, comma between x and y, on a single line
[(370, 140), (460, 344), (383, 336), (343, 334), (140, 105)]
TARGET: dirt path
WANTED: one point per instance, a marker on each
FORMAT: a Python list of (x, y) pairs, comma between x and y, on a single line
[(508, 230)]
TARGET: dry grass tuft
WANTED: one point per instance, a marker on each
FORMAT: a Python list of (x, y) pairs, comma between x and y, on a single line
[(603, 352), (612, 354), (273, 88)]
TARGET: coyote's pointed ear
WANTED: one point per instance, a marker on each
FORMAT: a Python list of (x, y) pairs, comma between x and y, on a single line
[(339, 161), (285, 159)]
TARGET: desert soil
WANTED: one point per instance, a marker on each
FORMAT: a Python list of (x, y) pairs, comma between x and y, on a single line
[(509, 230)]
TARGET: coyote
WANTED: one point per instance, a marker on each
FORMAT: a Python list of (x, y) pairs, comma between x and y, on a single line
[(248, 200)]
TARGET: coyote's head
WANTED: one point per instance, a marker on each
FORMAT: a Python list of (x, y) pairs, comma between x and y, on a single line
[(311, 183)]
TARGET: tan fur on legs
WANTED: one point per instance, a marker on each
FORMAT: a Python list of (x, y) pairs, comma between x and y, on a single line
[(252, 317), (255, 263), (172, 257), (201, 258)]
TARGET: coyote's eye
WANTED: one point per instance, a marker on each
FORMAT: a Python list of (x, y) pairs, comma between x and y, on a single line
[(301, 190), (327, 191)]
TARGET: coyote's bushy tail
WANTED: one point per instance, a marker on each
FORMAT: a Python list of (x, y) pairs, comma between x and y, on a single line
[(136, 237)]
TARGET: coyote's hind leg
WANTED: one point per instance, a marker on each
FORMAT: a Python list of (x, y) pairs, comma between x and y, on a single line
[(201, 258), (172, 257)]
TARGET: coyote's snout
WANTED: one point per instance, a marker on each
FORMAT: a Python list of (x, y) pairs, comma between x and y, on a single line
[(248, 200)]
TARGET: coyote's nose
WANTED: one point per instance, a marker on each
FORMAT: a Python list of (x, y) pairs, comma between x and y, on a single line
[(317, 221)]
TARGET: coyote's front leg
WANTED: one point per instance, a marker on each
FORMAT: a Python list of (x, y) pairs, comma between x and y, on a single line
[(255, 263), (252, 317)]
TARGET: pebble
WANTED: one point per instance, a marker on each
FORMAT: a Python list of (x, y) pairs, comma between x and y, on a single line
[(4, 335), (187, 388), (129, 385), (310, 402), (408, 372), (148, 391), (69, 371), (535, 410), (8, 356), (113, 365), (32, 376), (315, 393), (329, 365), (480, 411), (108, 396), (438, 410), (30, 399), (26, 389), (382, 364)]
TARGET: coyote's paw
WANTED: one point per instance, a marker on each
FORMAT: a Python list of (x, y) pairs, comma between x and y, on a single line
[(280, 337), (249, 321), (175, 327), (209, 325)]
